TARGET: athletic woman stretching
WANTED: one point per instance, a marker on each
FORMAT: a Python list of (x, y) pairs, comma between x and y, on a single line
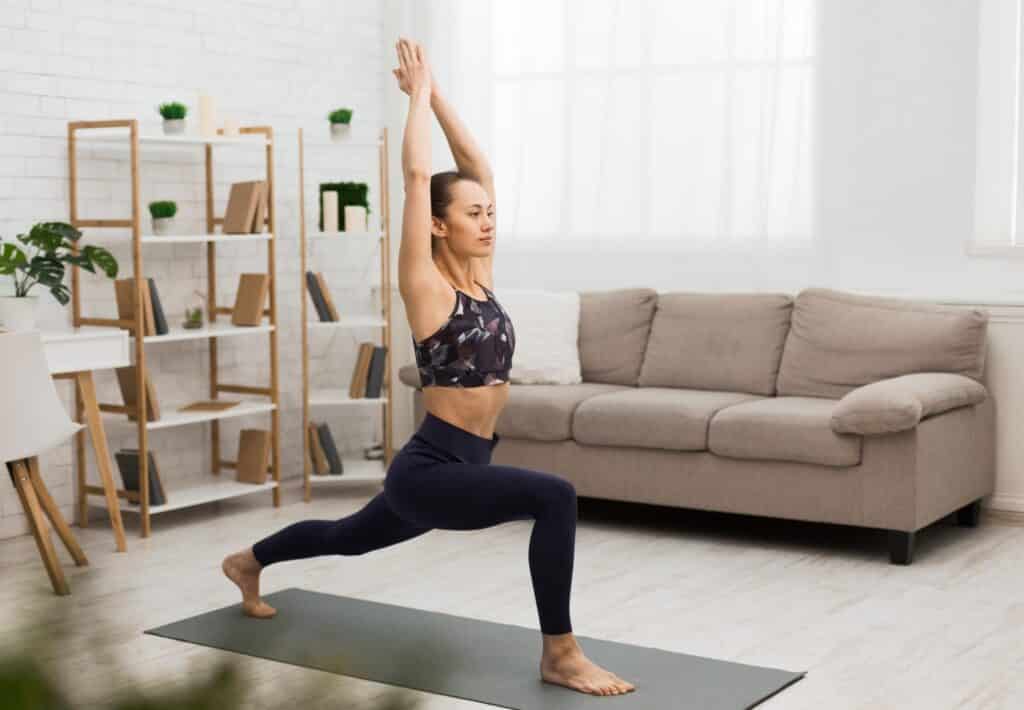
[(443, 478)]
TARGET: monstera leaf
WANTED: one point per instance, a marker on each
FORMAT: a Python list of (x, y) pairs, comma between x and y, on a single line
[(49, 247)]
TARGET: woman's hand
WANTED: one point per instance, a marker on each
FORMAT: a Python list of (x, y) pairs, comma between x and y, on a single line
[(413, 72)]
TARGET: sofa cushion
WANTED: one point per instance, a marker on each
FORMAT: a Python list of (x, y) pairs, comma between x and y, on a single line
[(651, 417), (717, 341), (546, 336), (783, 429), (900, 403), (545, 412), (839, 341), (614, 326)]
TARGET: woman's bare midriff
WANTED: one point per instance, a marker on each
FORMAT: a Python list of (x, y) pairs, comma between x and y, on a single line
[(474, 409)]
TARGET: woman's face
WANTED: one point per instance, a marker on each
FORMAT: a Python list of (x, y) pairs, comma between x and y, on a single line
[(469, 223)]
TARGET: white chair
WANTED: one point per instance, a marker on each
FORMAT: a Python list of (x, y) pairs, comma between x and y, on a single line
[(33, 420)]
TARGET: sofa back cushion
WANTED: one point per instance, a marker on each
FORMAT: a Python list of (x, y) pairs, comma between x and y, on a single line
[(839, 341), (614, 326), (717, 341)]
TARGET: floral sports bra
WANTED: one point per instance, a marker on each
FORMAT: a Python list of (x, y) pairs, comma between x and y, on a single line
[(473, 348)]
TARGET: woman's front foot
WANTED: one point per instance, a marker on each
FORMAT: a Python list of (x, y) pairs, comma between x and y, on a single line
[(243, 569), (563, 663)]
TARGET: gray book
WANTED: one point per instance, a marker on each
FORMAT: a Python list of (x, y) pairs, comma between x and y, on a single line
[(128, 463), (330, 450), (375, 376), (318, 297)]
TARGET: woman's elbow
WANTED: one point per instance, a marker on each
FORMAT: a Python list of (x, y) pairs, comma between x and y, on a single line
[(416, 176)]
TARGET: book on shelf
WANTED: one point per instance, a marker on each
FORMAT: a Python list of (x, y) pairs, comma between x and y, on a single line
[(128, 463), (326, 294), (159, 317), (317, 456), (250, 299), (124, 294), (253, 456), (330, 450), (317, 296), (129, 391), (375, 376), (243, 202), (260, 219), (357, 387)]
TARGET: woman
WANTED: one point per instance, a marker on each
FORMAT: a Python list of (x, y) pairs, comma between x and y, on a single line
[(443, 478)]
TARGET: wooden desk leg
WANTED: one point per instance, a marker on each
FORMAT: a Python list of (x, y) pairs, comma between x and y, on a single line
[(87, 389), (53, 512), (36, 522)]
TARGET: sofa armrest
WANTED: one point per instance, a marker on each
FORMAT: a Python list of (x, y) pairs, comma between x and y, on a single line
[(899, 403)]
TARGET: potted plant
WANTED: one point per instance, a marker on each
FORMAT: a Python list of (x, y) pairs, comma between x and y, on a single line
[(162, 212), (174, 117), (340, 119), (194, 313), (40, 261)]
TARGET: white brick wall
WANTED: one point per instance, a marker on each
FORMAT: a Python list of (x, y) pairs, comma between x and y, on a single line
[(277, 63)]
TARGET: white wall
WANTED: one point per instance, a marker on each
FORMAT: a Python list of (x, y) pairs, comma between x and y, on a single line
[(277, 63)]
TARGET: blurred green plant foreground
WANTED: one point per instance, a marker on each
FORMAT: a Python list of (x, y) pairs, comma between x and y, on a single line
[(34, 677)]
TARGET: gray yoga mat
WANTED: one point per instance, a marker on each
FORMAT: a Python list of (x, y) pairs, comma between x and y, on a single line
[(491, 663)]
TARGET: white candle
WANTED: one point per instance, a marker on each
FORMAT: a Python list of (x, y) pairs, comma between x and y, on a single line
[(330, 199), (207, 116), (355, 218), (231, 127)]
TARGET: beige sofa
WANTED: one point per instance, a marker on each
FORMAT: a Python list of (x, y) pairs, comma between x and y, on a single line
[(826, 407)]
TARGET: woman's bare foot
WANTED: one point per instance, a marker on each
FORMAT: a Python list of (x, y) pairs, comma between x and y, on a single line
[(563, 663), (243, 569)]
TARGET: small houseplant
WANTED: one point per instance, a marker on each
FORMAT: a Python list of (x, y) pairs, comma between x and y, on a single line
[(174, 117), (162, 212), (40, 261), (340, 119), (194, 312)]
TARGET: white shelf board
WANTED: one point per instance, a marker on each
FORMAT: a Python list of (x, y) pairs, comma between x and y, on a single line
[(349, 322), (322, 398), (197, 494), (216, 330), (341, 236), (354, 469), (108, 136), (100, 237), (171, 417)]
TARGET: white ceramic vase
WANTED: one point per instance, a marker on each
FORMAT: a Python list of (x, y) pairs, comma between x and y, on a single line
[(162, 225), (174, 126), (339, 130), (19, 313)]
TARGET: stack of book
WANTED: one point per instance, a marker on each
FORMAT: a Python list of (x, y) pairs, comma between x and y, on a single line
[(368, 374), (154, 321), (322, 451), (321, 296), (246, 212)]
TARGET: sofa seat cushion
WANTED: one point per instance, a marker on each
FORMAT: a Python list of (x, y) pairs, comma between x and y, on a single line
[(408, 374), (545, 412), (651, 417), (783, 429)]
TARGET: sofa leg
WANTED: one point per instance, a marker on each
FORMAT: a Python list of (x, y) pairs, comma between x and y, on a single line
[(969, 515), (901, 547)]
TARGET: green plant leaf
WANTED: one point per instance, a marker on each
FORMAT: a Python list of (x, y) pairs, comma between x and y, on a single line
[(80, 260), (11, 258), (47, 270), (65, 230), (61, 293), (102, 258)]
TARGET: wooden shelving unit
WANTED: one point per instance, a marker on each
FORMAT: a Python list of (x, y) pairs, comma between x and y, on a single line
[(355, 468), (85, 133)]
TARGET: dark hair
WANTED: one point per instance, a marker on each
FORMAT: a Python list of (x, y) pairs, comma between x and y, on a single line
[(441, 194)]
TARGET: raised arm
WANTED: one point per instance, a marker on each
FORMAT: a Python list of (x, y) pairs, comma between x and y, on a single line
[(415, 266), (468, 156)]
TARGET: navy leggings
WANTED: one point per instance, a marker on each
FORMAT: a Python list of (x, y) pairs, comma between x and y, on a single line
[(443, 478)]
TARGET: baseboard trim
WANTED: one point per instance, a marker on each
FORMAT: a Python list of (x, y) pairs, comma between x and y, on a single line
[(1006, 508)]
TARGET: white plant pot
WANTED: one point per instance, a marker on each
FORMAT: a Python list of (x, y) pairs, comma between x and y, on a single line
[(19, 313), (174, 126), (339, 130), (163, 225)]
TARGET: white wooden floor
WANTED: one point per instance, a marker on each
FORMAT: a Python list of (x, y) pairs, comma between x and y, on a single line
[(945, 632)]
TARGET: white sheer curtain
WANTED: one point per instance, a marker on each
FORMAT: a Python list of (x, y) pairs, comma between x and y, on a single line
[(997, 193), (641, 124)]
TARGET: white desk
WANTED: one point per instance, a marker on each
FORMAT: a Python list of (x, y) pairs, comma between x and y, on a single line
[(73, 353)]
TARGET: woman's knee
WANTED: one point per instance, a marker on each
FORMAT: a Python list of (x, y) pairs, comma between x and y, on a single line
[(559, 492)]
